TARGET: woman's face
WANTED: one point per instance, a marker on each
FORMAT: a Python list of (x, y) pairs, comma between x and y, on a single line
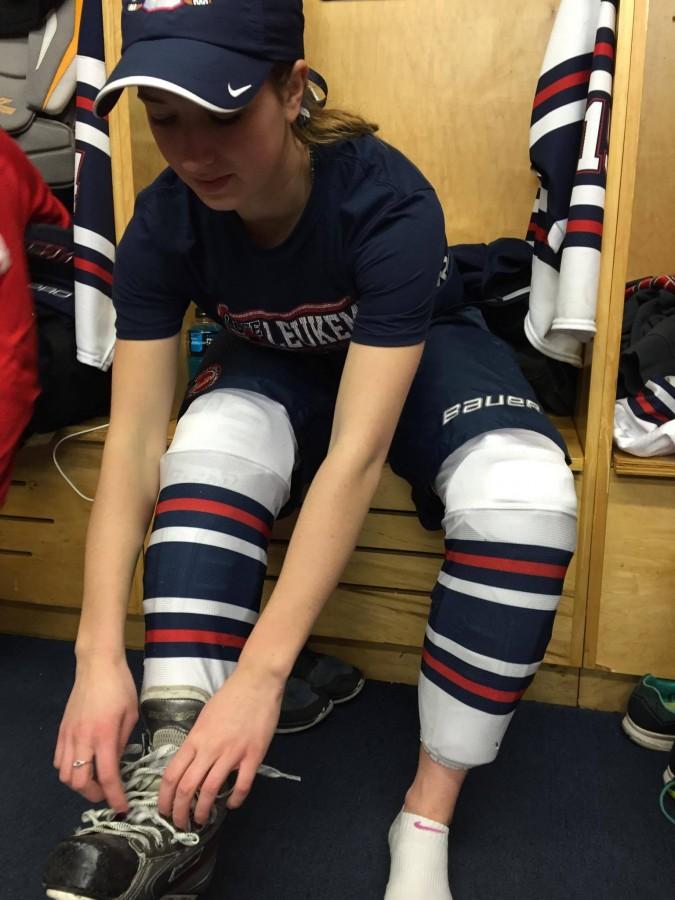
[(227, 159)]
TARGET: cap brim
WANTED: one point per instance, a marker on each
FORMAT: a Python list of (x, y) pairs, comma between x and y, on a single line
[(218, 79)]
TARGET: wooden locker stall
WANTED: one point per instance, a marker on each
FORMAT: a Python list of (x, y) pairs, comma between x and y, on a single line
[(451, 85), (631, 607)]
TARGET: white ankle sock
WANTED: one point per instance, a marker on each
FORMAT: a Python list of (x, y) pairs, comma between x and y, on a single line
[(419, 859)]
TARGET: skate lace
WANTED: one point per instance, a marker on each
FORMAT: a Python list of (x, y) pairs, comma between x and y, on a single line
[(141, 778)]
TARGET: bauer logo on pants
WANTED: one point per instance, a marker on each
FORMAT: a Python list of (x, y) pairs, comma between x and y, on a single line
[(205, 379), (163, 5), (478, 403)]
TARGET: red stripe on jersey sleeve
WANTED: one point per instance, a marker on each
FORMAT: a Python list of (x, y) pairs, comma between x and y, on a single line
[(604, 49), (589, 225), (538, 233), (649, 409), (91, 267), (562, 84)]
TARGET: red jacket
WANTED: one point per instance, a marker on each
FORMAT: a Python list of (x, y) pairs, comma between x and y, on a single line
[(24, 198)]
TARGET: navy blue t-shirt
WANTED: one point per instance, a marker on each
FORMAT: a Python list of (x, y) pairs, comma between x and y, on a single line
[(363, 262)]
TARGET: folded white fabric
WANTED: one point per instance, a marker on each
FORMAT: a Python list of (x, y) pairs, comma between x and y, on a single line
[(644, 425)]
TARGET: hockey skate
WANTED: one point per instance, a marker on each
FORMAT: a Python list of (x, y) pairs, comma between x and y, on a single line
[(141, 855)]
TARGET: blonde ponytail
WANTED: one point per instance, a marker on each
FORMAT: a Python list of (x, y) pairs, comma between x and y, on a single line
[(324, 125)]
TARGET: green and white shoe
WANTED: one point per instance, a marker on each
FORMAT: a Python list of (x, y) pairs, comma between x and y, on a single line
[(650, 718), (667, 799)]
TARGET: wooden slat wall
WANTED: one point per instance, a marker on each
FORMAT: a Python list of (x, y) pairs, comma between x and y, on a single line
[(628, 84), (652, 245), (636, 610), (594, 416), (631, 621), (41, 556), (451, 85), (381, 603)]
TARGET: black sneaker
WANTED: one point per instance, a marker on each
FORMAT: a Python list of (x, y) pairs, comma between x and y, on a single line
[(667, 800), (302, 707), (650, 719), (337, 679), (141, 855)]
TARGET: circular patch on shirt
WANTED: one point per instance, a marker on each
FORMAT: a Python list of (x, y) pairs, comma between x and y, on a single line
[(205, 379)]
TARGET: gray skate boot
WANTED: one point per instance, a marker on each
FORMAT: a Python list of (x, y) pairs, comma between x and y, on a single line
[(141, 855)]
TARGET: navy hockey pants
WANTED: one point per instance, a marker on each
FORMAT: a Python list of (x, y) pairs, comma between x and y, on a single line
[(483, 462)]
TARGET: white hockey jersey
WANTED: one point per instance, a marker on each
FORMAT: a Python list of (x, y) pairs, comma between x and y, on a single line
[(569, 139), (644, 425), (93, 218)]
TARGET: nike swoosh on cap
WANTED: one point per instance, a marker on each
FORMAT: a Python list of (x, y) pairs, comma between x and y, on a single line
[(236, 92)]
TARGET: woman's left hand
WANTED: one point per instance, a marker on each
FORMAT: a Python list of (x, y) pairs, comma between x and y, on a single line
[(233, 731)]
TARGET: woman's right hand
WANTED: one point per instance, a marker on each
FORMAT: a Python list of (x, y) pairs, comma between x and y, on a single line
[(99, 717)]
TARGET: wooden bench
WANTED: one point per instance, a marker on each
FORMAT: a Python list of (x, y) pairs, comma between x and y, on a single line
[(376, 617)]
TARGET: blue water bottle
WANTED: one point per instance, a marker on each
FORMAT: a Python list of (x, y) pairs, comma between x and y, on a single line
[(200, 337)]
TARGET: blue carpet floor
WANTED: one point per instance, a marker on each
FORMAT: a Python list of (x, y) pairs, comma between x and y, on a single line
[(568, 812)]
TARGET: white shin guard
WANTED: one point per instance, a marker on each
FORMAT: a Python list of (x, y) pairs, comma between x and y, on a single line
[(237, 440), (242, 442), (510, 486), (514, 471)]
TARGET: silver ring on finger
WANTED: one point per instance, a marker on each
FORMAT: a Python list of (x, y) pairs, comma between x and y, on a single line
[(82, 762)]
